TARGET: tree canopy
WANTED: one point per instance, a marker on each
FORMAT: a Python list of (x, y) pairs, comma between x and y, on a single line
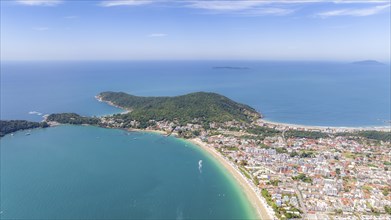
[(9, 126), (203, 106)]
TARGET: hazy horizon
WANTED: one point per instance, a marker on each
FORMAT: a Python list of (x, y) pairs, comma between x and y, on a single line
[(386, 62), (275, 30)]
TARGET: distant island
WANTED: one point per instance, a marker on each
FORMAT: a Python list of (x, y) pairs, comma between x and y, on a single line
[(231, 67), (368, 62)]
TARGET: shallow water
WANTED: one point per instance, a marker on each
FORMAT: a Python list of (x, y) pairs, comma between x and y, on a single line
[(84, 172)]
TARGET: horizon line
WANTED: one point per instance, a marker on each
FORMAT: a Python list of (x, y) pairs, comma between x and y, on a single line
[(167, 60)]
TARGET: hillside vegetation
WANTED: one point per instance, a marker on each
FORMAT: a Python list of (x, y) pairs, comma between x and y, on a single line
[(202, 106), (9, 126), (72, 118)]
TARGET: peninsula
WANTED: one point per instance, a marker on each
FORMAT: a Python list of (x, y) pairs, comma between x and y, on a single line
[(10, 126), (202, 107), (286, 171)]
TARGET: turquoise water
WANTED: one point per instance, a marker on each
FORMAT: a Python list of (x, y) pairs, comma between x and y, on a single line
[(79, 172), (83, 172), (310, 93)]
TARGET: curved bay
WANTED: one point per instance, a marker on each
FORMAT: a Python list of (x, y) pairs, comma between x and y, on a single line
[(76, 172)]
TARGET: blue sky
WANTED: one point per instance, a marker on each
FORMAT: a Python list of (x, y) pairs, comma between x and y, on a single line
[(343, 30)]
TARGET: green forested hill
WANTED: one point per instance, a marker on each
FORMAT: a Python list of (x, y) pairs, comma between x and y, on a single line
[(72, 118), (207, 107), (9, 126)]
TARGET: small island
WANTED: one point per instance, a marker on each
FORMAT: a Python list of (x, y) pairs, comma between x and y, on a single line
[(368, 62)]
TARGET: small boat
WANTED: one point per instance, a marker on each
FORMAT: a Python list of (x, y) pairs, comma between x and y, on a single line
[(28, 134)]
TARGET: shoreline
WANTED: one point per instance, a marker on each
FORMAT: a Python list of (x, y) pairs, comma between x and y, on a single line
[(263, 211), (99, 99), (386, 128), (145, 130), (252, 194)]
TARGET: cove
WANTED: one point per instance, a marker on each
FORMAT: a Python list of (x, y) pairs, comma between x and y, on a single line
[(85, 172)]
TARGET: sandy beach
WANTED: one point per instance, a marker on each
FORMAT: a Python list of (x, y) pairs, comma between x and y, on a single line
[(253, 193), (147, 130), (258, 202), (386, 128)]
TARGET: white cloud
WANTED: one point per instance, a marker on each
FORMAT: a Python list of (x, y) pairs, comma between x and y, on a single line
[(111, 3), (243, 7), (157, 35), (39, 2), (236, 5), (225, 5), (246, 7), (267, 11), (232, 5), (355, 12), (40, 28), (360, 1)]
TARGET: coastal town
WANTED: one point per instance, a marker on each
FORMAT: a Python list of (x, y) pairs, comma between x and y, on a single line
[(195, 109), (324, 176), (286, 171)]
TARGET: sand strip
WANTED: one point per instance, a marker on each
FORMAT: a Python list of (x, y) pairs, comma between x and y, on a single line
[(385, 128), (253, 194)]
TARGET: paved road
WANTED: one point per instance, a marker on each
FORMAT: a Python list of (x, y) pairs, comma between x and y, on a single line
[(302, 205)]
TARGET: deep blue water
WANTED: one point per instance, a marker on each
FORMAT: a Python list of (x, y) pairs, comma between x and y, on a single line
[(310, 93), (84, 172)]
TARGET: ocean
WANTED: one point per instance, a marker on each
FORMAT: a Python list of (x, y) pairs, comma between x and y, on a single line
[(85, 172), (308, 93)]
